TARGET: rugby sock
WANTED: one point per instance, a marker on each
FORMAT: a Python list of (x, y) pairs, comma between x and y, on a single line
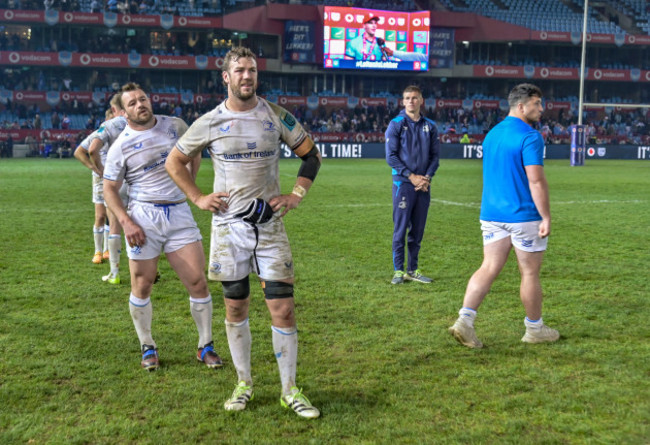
[(106, 233), (533, 324), (142, 315), (98, 237), (239, 341), (201, 309), (467, 315), (285, 346), (114, 251)]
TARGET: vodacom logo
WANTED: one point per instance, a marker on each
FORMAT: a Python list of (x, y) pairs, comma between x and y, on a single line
[(417, 22), (14, 57), (84, 59), (283, 100), (182, 21), (549, 105), (543, 72), (19, 95), (9, 14), (598, 74), (543, 35), (155, 98), (68, 17), (126, 19), (218, 62), (647, 75), (478, 104), (631, 39), (489, 70), (154, 61), (65, 96), (199, 99)]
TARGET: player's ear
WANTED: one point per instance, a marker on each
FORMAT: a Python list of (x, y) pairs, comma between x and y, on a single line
[(225, 77)]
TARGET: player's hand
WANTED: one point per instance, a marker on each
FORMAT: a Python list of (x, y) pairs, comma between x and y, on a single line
[(213, 202), (134, 234), (388, 51), (286, 202), (544, 228)]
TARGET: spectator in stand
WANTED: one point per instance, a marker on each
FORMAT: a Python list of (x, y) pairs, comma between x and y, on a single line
[(56, 120), (66, 123), (95, 7)]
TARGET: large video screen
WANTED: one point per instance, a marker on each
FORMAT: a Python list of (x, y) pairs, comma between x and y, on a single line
[(357, 38)]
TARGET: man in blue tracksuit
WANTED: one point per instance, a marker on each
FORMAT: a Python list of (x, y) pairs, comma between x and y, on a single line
[(413, 152)]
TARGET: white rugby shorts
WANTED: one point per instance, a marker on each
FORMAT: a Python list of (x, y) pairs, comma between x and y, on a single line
[(168, 227), (235, 251), (524, 236), (98, 190)]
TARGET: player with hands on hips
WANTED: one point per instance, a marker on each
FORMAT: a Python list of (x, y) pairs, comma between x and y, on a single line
[(243, 136)]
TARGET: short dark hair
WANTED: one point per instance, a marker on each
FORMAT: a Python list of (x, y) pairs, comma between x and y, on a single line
[(522, 94), (412, 89), (130, 86)]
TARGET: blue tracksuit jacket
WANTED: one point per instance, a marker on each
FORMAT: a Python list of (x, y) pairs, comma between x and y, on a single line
[(412, 147)]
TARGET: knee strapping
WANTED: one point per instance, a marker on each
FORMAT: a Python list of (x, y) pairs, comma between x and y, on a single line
[(236, 290), (277, 289)]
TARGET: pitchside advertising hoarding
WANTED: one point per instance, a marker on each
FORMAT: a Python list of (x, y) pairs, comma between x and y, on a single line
[(342, 150)]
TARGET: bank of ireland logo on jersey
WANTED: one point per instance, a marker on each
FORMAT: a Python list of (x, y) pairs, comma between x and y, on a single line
[(172, 133), (251, 145), (136, 250), (402, 204), (215, 268), (137, 146)]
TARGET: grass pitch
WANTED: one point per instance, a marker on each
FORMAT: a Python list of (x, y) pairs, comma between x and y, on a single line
[(375, 358)]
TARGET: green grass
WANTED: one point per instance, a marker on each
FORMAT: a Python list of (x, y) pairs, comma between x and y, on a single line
[(375, 358)]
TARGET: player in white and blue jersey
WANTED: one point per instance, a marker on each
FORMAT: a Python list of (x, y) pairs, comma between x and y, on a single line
[(243, 136), (158, 219)]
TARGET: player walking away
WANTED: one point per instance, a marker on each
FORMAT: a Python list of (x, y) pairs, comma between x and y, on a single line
[(100, 228), (100, 142), (243, 135), (158, 219), (413, 153), (515, 211)]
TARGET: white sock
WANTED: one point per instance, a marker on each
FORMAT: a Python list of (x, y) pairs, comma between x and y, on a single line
[(285, 346), (142, 315), (106, 233), (239, 341), (467, 315), (114, 251), (201, 309), (98, 237), (533, 324)]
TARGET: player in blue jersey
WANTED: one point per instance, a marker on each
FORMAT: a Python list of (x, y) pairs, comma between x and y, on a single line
[(413, 153), (515, 211)]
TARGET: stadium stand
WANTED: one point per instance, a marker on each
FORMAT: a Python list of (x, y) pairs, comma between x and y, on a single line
[(494, 44)]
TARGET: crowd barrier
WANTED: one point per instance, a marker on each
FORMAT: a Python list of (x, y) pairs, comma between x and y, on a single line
[(475, 151), (336, 150)]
